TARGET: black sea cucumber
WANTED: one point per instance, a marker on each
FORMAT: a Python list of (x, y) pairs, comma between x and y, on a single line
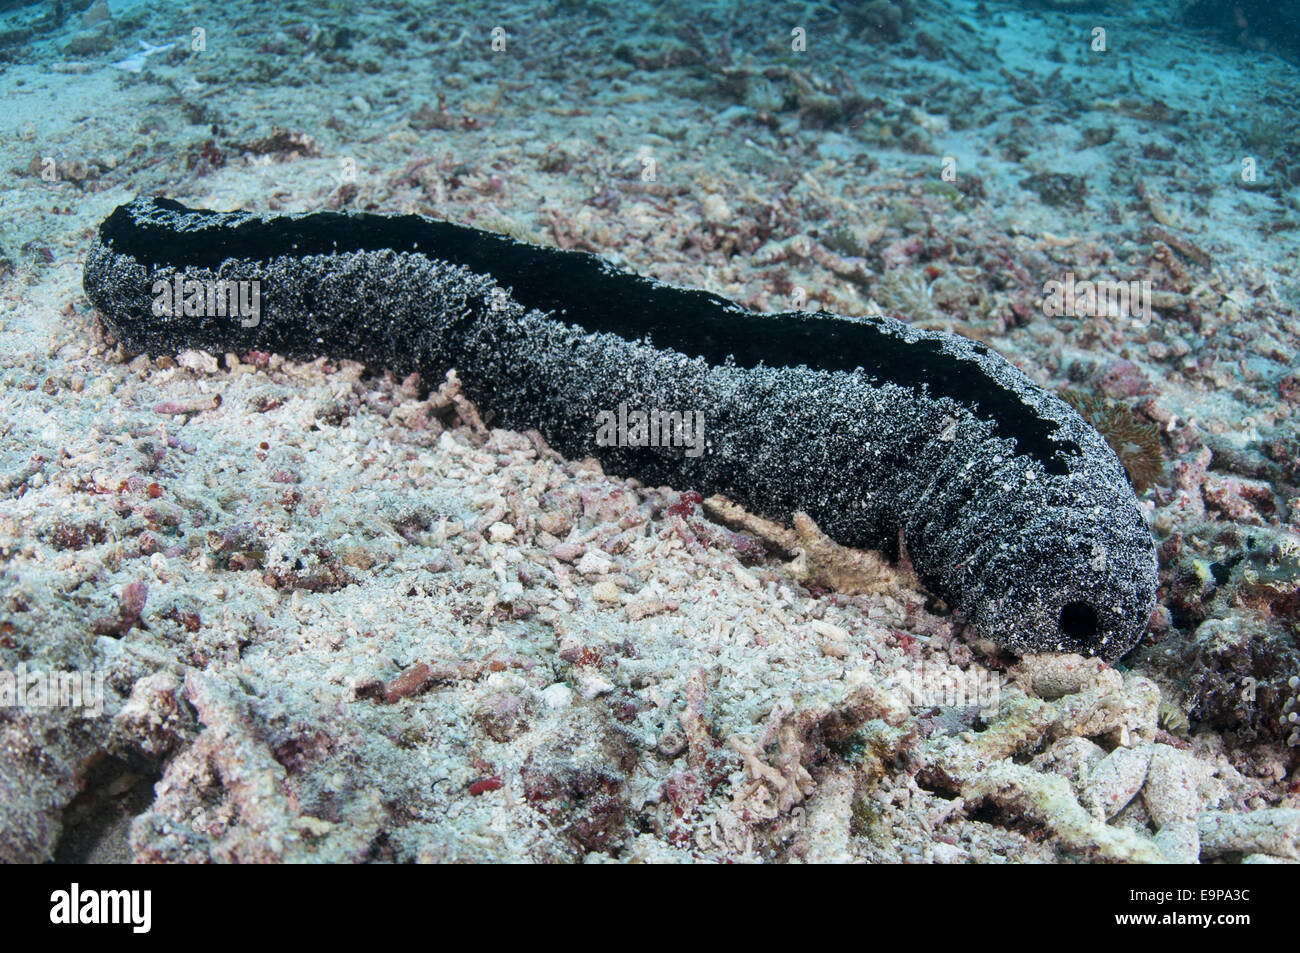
[(1012, 508)]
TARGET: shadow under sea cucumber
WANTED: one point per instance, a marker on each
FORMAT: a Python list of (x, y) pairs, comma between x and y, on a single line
[(1012, 508)]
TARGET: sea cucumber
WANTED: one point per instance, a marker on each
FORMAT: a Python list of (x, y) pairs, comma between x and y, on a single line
[(1011, 507)]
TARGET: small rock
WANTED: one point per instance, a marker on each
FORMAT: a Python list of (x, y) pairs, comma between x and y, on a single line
[(1170, 789), (590, 683), (1073, 758), (642, 610), (155, 720), (1053, 675), (605, 592), (90, 43), (1266, 859), (97, 12), (829, 630), (558, 695), (941, 853), (1180, 841), (1272, 830), (313, 826), (1118, 777), (200, 362), (715, 209), (568, 552), (500, 533), (503, 716), (671, 743), (595, 563)]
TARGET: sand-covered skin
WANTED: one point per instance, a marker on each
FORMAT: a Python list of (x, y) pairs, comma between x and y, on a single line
[(375, 628)]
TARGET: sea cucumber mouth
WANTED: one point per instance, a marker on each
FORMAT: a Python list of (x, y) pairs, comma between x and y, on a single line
[(1079, 622), (1087, 613), (1105, 618)]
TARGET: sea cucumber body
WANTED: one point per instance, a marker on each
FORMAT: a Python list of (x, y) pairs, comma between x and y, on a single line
[(1012, 508)]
